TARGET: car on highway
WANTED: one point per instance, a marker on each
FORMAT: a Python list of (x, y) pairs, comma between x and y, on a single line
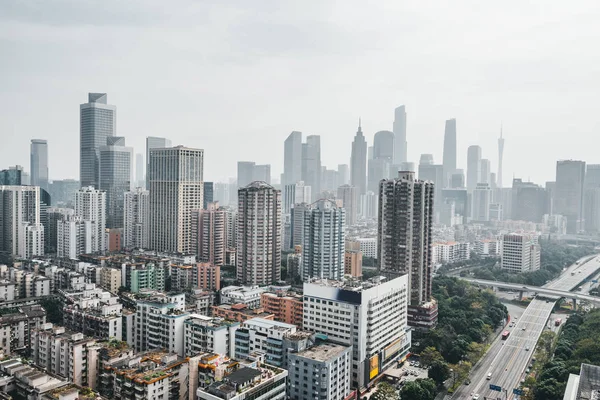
[(527, 348), (476, 396), (523, 329)]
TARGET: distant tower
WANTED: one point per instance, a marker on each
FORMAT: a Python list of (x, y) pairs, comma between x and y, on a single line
[(500, 155), (400, 144), (473, 167), (39, 163), (449, 160), (358, 162)]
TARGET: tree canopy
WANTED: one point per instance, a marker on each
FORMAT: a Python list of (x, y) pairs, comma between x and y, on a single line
[(420, 389)]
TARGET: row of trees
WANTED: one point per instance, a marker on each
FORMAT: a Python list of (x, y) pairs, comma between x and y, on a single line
[(577, 343), (420, 389), (554, 257)]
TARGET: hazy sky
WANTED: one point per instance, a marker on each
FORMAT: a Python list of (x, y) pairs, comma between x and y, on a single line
[(236, 77)]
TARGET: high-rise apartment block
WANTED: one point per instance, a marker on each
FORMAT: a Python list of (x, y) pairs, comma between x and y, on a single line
[(259, 234), (54, 215), (136, 233), (153, 142), (19, 209), (569, 196), (404, 236), (520, 253), (358, 162), (212, 229), (370, 316), (206, 276), (98, 122), (39, 163), (74, 237), (116, 174), (323, 241), (176, 185), (90, 205)]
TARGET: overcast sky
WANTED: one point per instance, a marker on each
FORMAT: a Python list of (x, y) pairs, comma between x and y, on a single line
[(236, 77)]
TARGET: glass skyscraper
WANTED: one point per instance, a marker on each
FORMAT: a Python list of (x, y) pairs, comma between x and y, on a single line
[(98, 121), (39, 163), (116, 170)]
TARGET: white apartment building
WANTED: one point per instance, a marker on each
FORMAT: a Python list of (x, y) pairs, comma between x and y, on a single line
[(450, 252), (136, 219), (74, 236), (248, 295), (520, 252), (159, 323), (487, 247), (368, 246), (19, 206), (31, 240), (90, 205), (370, 316), (264, 337), (321, 372), (209, 335)]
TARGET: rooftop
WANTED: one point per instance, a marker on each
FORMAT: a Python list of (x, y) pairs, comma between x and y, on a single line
[(323, 352)]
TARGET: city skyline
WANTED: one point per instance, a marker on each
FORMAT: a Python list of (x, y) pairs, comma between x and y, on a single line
[(487, 76)]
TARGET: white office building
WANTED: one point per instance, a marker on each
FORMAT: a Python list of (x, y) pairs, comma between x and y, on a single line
[(136, 219), (520, 253), (370, 316), (90, 205)]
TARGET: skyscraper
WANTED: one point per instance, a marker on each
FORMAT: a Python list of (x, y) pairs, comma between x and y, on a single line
[(296, 193), (116, 173), (404, 237), (383, 145), (153, 142), (90, 205), (473, 167), (592, 198), (529, 201), (262, 173), (358, 162), (484, 171), (39, 163), (311, 164), (98, 121), (482, 198), (323, 241), (136, 232), (292, 159), (245, 173), (19, 208), (349, 196), (400, 144), (208, 194), (500, 157), (449, 160), (569, 196), (343, 174), (176, 184), (428, 171), (212, 234), (139, 171), (259, 234), (380, 166)]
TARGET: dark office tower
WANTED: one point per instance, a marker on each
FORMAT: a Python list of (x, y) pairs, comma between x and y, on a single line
[(39, 163), (457, 179), (404, 238), (153, 142), (259, 234), (139, 170), (98, 122), (343, 174), (208, 194), (358, 163), (245, 173), (400, 144), (500, 157), (116, 172), (529, 201), (292, 159), (592, 198), (473, 167), (570, 178), (449, 150), (311, 163)]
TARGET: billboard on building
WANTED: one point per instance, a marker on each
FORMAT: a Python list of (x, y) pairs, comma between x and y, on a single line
[(374, 366)]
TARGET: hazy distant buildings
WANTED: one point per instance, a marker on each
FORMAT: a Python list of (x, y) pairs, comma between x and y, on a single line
[(485, 172), (449, 160), (90, 205), (569, 196), (311, 164), (457, 179), (323, 241), (39, 163), (343, 174), (358, 162), (153, 142), (98, 121), (259, 234), (428, 171), (249, 171), (482, 198), (176, 185), (295, 193), (13, 176), (136, 234), (500, 157), (292, 159), (368, 205), (116, 173), (400, 144), (349, 197), (529, 201), (592, 198), (473, 167), (139, 171), (208, 194), (380, 165)]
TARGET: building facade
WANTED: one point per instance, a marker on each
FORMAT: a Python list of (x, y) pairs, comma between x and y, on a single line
[(19, 209), (520, 253), (136, 219), (90, 205)]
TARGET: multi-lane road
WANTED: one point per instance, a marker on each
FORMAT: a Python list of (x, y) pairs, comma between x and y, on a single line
[(507, 360)]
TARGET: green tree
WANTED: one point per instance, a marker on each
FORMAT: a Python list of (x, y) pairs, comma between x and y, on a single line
[(420, 389), (385, 391), (429, 355), (438, 371)]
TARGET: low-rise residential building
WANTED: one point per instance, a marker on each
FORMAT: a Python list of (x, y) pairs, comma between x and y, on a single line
[(206, 276), (181, 277), (287, 307), (248, 295), (209, 335), (240, 312), (26, 382), (487, 247), (263, 338), (450, 252), (7, 291), (353, 263), (201, 301), (16, 328), (321, 372), (110, 279)]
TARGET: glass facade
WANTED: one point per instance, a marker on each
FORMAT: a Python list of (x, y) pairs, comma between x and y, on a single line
[(115, 180)]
